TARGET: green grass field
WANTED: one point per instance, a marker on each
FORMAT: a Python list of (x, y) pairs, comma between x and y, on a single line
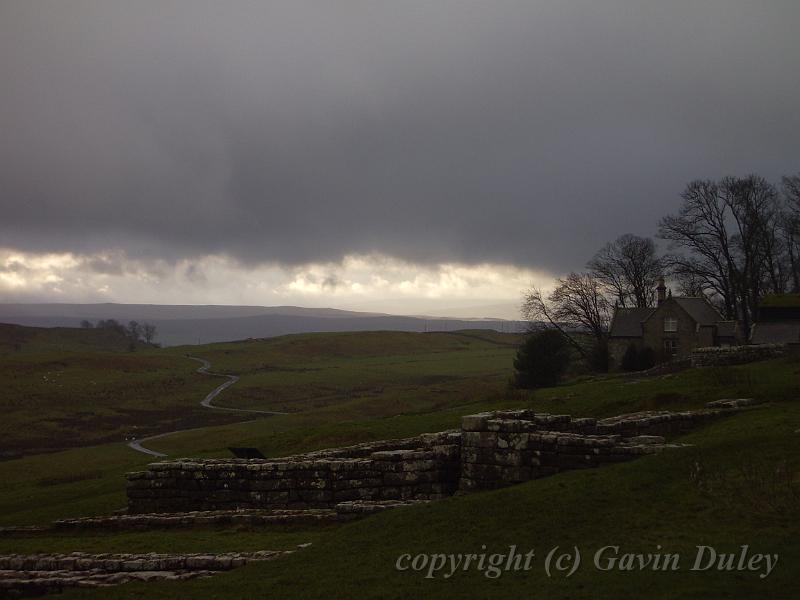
[(348, 388), (64, 387), (67, 387)]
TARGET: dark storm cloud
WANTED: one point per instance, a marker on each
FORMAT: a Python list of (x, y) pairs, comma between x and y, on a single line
[(520, 132)]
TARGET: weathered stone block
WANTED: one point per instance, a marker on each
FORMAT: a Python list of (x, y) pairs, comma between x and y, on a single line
[(482, 439), (357, 494), (475, 422)]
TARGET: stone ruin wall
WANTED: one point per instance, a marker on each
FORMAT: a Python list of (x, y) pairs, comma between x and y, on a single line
[(425, 467), (492, 450), (507, 447), (721, 356)]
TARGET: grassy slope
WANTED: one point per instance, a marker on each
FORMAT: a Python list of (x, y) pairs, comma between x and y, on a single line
[(89, 480), (66, 387), (21, 340), (587, 508), (71, 387), (393, 371), (637, 506)]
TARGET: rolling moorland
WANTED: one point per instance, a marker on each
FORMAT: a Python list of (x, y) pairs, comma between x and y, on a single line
[(183, 324), (346, 388), (67, 387)]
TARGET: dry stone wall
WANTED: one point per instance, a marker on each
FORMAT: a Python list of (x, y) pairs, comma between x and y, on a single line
[(507, 447), (720, 356), (421, 468), (491, 450)]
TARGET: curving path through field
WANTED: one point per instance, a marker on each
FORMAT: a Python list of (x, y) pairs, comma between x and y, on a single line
[(206, 403)]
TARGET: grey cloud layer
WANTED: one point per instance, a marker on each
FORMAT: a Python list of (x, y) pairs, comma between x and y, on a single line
[(518, 132)]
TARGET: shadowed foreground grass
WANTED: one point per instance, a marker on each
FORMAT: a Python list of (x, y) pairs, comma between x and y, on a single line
[(638, 506)]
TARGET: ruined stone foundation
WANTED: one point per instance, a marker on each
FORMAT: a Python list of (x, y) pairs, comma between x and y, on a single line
[(491, 450)]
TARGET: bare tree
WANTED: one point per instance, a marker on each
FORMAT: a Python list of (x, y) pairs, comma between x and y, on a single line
[(777, 265), (699, 230), (577, 303), (86, 324), (790, 228), (134, 331), (754, 207), (537, 310), (112, 325), (690, 283), (628, 269), (726, 235), (149, 332)]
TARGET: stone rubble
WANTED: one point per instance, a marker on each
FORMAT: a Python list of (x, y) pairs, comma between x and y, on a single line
[(734, 403), (243, 518), (343, 511), (35, 574)]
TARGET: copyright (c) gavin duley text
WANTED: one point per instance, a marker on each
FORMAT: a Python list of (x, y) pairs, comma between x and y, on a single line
[(566, 561)]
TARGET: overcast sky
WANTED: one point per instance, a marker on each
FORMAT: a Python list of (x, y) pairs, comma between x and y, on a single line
[(427, 153)]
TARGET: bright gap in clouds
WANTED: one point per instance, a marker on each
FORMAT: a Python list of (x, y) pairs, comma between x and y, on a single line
[(360, 282)]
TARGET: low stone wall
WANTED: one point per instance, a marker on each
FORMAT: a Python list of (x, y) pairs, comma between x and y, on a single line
[(735, 355), (507, 447), (421, 468), (491, 450), (503, 448), (662, 423)]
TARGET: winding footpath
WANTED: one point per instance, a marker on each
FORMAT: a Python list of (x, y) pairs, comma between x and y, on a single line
[(205, 403)]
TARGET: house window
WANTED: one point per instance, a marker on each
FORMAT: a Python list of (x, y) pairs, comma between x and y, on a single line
[(670, 324), (670, 347)]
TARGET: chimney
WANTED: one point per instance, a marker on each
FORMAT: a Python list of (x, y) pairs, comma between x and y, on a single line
[(661, 290)]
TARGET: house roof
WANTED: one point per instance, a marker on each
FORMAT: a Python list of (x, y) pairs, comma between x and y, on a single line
[(779, 307), (699, 309), (627, 322), (776, 332), (781, 301)]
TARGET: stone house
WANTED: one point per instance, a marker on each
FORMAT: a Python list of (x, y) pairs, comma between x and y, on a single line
[(672, 329), (778, 320)]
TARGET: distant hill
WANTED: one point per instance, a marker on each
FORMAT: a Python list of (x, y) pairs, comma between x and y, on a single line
[(18, 338), (141, 312), (189, 324)]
